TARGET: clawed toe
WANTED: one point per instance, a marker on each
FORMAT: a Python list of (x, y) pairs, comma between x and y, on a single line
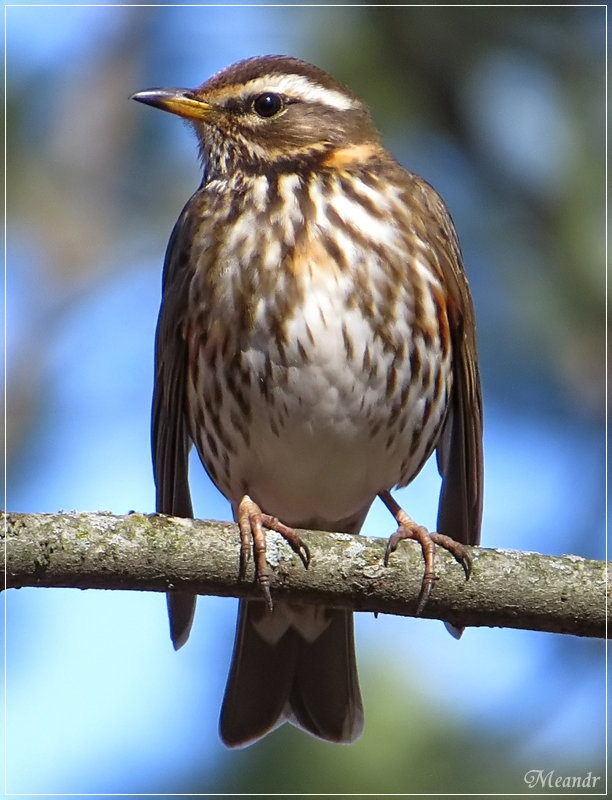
[(408, 529), (459, 551), (290, 535), (252, 521)]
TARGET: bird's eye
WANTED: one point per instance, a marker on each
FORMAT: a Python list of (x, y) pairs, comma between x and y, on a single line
[(268, 104)]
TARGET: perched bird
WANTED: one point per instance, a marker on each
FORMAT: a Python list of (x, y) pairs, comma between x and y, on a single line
[(316, 342)]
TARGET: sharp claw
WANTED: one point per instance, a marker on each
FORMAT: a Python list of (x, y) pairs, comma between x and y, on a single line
[(244, 559), (264, 583), (427, 585), (390, 548)]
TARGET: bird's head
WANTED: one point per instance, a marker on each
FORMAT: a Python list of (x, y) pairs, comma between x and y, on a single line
[(271, 112)]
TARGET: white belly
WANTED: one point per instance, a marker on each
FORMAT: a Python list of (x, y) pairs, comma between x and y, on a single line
[(327, 429)]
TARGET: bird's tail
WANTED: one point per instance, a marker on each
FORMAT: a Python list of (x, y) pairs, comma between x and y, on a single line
[(295, 664)]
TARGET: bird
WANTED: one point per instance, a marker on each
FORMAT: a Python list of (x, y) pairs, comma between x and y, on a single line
[(316, 343)]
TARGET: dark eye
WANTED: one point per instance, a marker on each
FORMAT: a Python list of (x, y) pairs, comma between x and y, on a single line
[(267, 105)]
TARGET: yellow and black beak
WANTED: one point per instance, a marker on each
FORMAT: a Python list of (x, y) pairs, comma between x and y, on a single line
[(177, 101)]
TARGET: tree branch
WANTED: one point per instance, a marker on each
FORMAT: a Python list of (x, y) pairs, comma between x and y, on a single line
[(507, 588)]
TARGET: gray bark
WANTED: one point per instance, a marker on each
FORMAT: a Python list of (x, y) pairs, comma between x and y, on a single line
[(507, 588)]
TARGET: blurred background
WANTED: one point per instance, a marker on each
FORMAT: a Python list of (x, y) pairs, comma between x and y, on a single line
[(503, 111)]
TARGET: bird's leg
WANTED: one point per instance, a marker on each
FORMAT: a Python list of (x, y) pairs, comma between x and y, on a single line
[(409, 529), (252, 521)]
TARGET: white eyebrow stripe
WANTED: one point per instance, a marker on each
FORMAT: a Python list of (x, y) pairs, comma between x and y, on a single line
[(300, 87)]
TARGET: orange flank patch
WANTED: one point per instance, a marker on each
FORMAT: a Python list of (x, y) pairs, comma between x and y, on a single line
[(353, 154)]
